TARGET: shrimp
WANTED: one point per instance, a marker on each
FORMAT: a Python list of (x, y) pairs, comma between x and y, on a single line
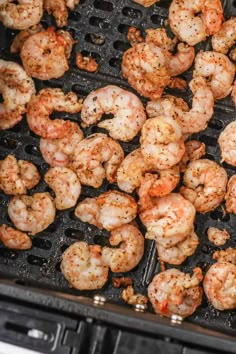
[(65, 185), (109, 211), (233, 93), (59, 10), (17, 176), (95, 158), (21, 16), (17, 89), (128, 295), (219, 68), (190, 27), (146, 3), (14, 239), (21, 37), (228, 255), (128, 111), (177, 254), (182, 60), (83, 268), (230, 196), (45, 54), (228, 144), (220, 285), (167, 105), (57, 152), (130, 251), (204, 184), (43, 104), (217, 236), (170, 220), (159, 37), (162, 143), (175, 293), (223, 40), (32, 214), (194, 150)]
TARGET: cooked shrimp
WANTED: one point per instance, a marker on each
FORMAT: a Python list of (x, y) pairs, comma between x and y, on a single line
[(230, 196), (194, 150), (128, 111), (83, 268), (17, 89), (169, 106), (190, 27), (217, 236), (65, 185), (233, 93), (175, 293), (14, 239), (95, 158), (228, 144), (109, 211), (204, 184), (162, 143), (17, 176), (182, 60), (220, 285), (178, 253), (228, 255), (170, 220), (57, 152), (159, 37), (43, 104), (21, 37), (32, 214), (223, 40), (219, 68), (146, 3), (21, 16), (130, 251), (45, 54)]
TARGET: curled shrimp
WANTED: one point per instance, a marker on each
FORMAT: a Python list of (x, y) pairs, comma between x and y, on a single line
[(217, 236), (59, 10), (175, 293), (23, 15), (17, 176), (109, 211), (225, 38), (190, 27), (146, 3), (83, 267), (162, 143), (45, 54), (182, 60), (169, 220), (17, 89), (177, 254), (194, 150), (227, 144), (43, 104), (65, 185), (130, 251), (219, 68), (128, 111), (57, 152), (230, 196), (95, 158), (204, 184), (14, 239), (220, 285), (32, 214)]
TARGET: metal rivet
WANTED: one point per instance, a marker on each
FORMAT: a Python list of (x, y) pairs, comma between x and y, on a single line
[(99, 300), (140, 307), (176, 319)]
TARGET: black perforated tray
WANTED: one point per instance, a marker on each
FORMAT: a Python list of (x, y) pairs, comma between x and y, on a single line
[(106, 23)]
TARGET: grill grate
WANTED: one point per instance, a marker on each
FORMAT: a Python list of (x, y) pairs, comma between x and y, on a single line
[(100, 27)]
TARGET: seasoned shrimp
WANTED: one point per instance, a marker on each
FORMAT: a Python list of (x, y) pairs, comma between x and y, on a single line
[(162, 143), (228, 255), (59, 9), (182, 60), (178, 253), (21, 37), (220, 285), (83, 268), (14, 239), (43, 104), (109, 211), (170, 220), (190, 27), (130, 251), (65, 185), (230, 196), (228, 144), (21, 16), (175, 293), (219, 68), (128, 111), (233, 93), (32, 214), (146, 3), (159, 37), (45, 54), (17, 89), (17, 176), (217, 236), (194, 150), (204, 184), (223, 40), (95, 158), (169, 106), (57, 152)]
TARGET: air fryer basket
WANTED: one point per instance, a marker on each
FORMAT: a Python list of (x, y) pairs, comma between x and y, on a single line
[(100, 28)]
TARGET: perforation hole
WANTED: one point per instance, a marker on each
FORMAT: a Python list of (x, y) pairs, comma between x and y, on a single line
[(157, 20), (101, 240), (80, 90), (94, 55), (8, 254), (215, 124), (53, 83), (42, 243), (208, 140), (122, 28), (115, 62), (32, 150), (99, 22), (95, 38), (8, 143), (74, 16), (52, 228), (63, 248), (75, 234), (16, 129), (121, 46), (218, 214), (131, 12), (36, 260), (103, 5)]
